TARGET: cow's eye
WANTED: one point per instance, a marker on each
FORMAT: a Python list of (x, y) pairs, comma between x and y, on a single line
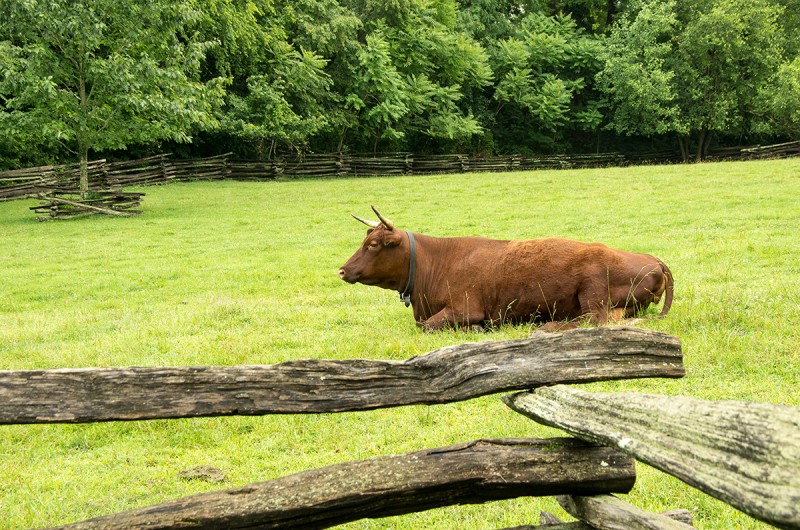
[(373, 244)]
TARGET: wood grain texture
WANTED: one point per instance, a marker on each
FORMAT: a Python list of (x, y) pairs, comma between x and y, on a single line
[(311, 386), (548, 521), (746, 454), (474, 472), (606, 512)]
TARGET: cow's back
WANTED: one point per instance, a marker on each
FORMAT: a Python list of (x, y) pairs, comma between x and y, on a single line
[(549, 279), (541, 277)]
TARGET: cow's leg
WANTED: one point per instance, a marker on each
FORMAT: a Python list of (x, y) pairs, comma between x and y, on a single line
[(595, 303), (601, 311), (450, 318)]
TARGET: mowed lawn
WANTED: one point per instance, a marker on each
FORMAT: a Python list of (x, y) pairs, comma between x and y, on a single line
[(228, 273)]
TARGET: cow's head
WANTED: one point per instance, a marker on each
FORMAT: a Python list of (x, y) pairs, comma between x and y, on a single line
[(382, 259)]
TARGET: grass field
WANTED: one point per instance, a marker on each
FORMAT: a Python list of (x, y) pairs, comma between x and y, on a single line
[(228, 273)]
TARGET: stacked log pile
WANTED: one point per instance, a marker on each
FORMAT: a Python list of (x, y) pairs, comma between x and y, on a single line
[(34, 180), (758, 152), (431, 164), (253, 170), (67, 204), (495, 163), (576, 161), (652, 157), (785, 150)]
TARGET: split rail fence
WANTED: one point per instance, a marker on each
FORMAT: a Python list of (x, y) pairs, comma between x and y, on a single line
[(163, 168), (747, 454)]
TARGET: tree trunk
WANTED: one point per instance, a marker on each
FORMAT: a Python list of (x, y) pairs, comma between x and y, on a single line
[(702, 144), (611, 11), (683, 143), (707, 143), (84, 172), (81, 133)]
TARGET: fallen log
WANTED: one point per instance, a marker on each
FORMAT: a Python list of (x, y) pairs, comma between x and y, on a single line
[(469, 473), (548, 521), (454, 373), (606, 512), (745, 454)]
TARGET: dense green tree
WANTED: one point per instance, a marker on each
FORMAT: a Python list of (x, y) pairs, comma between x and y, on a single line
[(277, 91), (692, 68), (543, 76), (260, 77), (637, 76), (407, 85), (780, 101), (594, 16), (101, 74)]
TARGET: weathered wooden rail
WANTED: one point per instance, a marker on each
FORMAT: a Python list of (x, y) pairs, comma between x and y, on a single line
[(743, 453), (163, 168), (746, 454), (449, 374), (475, 472)]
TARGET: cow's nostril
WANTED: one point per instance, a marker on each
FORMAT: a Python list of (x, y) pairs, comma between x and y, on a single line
[(341, 274)]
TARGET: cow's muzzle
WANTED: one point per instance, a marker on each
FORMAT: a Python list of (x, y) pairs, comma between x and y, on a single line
[(346, 277)]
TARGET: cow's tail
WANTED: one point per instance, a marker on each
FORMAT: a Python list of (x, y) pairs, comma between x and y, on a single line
[(669, 290)]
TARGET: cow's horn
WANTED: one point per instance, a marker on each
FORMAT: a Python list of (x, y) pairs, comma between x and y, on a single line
[(386, 222), (373, 224)]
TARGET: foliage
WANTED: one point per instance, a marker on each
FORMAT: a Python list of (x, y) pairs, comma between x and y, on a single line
[(263, 77), (206, 277), (780, 100), (692, 67), (542, 73), (102, 74), (282, 107), (636, 78), (410, 78)]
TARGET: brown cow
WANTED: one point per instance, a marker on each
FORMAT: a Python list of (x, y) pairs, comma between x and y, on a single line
[(468, 281)]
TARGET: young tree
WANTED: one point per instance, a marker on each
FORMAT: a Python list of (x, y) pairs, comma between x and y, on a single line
[(543, 73), (637, 76), (282, 106), (102, 74), (692, 68)]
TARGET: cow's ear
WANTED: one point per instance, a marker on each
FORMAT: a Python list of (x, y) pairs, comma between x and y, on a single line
[(369, 230), (392, 239)]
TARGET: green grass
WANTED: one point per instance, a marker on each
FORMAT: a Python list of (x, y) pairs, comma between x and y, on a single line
[(230, 273)]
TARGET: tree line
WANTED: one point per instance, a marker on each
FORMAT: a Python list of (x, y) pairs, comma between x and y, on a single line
[(263, 77)]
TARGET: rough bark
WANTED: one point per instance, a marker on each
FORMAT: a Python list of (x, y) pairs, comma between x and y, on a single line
[(746, 454), (606, 512), (548, 521), (312, 386), (474, 472)]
